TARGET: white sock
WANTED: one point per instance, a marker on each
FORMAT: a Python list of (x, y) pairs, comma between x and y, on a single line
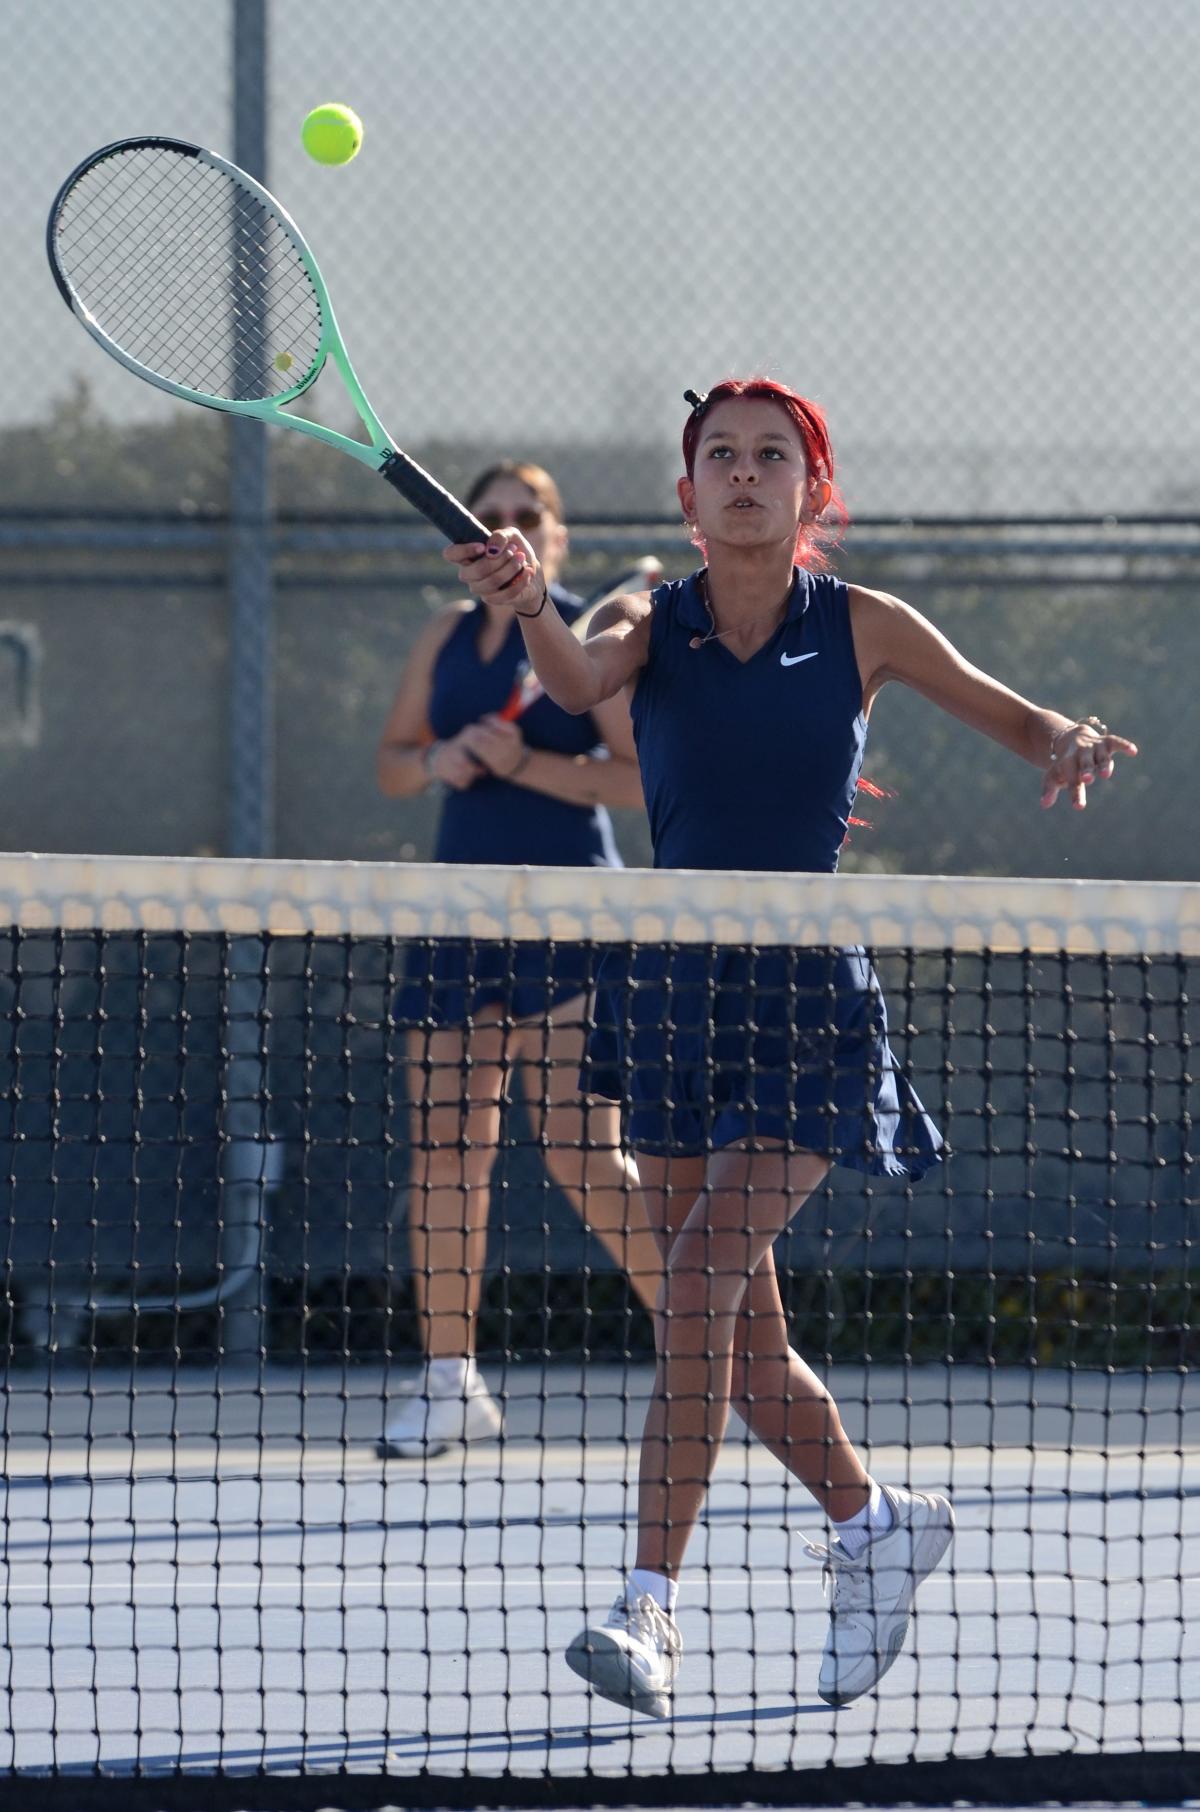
[(858, 1531), (449, 1377), (664, 1591)]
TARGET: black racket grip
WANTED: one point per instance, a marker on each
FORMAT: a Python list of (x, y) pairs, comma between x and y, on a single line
[(435, 504)]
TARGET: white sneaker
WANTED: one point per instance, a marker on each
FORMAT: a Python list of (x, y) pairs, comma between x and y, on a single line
[(429, 1423), (870, 1597), (633, 1658)]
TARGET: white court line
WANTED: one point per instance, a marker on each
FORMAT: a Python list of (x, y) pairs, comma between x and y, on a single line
[(288, 1455), (809, 1581)]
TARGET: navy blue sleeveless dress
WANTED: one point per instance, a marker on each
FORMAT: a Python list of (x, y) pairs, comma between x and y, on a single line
[(754, 765), (448, 981)]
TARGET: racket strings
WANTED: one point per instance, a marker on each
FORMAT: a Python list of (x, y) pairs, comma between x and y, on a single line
[(142, 313), (263, 314), (112, 265), (229, 348), (246, 347), (135, 318), (110, 276), (190, 275)]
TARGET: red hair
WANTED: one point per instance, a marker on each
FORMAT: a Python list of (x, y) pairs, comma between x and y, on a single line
[(814, 538)]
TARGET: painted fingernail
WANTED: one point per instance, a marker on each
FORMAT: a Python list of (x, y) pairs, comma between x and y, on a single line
[(491, 551)]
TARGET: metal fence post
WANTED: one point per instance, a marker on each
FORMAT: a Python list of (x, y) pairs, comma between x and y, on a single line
[(249, 1163), (251, 716)]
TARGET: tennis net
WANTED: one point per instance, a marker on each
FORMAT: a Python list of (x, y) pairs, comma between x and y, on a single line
[(222, 1584)]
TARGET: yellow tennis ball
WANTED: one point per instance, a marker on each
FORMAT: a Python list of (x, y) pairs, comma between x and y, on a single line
[(332, 133), (283, 361)]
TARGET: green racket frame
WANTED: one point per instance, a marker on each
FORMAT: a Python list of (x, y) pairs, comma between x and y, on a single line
[(382, 455)]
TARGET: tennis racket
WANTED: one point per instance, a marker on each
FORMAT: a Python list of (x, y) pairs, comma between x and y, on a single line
[(193, 277), (527, 687)]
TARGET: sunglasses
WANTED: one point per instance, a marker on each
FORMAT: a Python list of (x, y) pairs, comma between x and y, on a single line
[(530, 517)]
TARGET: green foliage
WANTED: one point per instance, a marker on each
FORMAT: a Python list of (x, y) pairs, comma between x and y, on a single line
[(1054, 1319), (1123, 1323), (78, 459)]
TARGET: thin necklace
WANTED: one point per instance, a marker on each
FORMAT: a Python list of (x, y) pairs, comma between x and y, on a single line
[(719, 635)]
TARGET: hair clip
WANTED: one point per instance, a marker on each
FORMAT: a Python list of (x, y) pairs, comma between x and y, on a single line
[(697, 399)]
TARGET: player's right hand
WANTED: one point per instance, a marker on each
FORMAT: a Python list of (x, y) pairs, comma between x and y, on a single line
[(504, 571), (453, 763)]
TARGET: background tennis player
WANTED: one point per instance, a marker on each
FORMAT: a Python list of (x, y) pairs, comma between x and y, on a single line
[(529, 791)]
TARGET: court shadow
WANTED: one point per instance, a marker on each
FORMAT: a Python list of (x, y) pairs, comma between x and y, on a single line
[(592, 1736)]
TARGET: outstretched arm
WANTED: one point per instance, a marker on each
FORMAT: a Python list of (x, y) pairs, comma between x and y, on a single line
[(578, 676), (895, 642)]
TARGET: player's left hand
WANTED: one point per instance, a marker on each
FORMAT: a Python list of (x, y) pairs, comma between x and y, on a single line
[(498, 745), (1081, 754)]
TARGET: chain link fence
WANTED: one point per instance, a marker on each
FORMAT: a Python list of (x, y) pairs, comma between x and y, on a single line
[(967, 228), (114, 667)]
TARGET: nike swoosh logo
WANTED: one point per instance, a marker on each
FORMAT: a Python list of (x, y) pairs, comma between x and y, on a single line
[(794, 660)]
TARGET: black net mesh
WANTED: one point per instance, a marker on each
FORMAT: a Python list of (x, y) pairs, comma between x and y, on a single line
[(257, 1552)]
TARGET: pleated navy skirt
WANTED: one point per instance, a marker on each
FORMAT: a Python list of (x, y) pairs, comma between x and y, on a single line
[(707, 1046), (447, 982)]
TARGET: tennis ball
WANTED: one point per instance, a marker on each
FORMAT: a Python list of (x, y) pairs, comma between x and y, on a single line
[(332, 133), (283, 361)]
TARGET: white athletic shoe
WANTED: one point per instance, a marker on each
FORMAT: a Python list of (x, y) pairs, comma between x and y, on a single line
[(870, 1598), (429, 1423), (633, 1658)]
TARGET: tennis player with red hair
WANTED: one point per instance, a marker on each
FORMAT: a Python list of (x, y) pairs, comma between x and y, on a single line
[(746, 1075)]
